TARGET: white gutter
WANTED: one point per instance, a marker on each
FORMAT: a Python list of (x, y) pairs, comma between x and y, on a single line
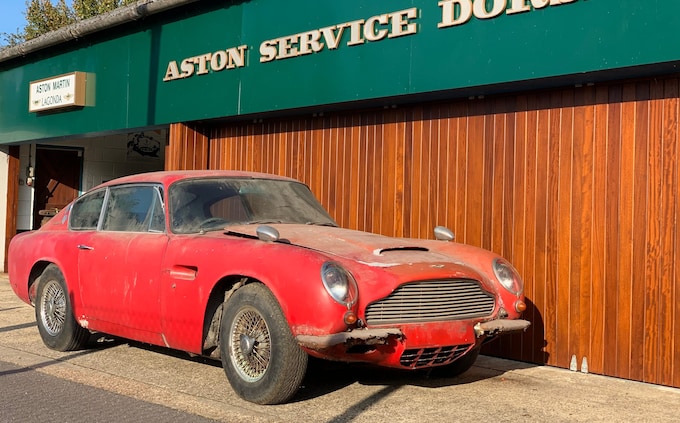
[(122, 15)]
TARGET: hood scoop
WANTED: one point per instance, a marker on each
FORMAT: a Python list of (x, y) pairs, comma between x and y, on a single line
[(382, 251)]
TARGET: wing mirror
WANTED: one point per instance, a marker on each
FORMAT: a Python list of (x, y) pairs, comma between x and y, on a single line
[(442, 233), (267, 233)]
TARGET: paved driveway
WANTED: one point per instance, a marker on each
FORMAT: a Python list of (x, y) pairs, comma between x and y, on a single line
[(493, 390)]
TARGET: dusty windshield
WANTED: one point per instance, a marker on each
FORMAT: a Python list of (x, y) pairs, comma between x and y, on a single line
[(200, 205)]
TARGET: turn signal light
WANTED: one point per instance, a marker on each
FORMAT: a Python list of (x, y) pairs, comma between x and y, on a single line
[(350, 318), (520, 306)]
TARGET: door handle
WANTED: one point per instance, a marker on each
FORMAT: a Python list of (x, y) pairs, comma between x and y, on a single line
[(85, 247)]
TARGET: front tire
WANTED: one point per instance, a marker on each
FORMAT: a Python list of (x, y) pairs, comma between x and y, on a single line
[(262, 361), (54, 314)]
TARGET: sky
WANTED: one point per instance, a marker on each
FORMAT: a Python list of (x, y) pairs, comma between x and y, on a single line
[(12, 15)]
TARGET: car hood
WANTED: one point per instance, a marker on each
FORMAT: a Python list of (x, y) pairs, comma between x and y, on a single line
[(363, 247)]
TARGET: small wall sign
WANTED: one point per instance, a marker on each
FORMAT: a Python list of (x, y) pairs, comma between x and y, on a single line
[(57, 92)]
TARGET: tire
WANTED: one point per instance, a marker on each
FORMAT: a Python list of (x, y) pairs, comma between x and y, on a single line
[(262, 361), (58, 328), (458, 367)]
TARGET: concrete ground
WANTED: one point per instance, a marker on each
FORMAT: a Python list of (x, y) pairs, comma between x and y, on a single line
[(493, 390)]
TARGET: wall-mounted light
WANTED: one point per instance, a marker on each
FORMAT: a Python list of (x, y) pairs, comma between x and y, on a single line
[(30, 176)]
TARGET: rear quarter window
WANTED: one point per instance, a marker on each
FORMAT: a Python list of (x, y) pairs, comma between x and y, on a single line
[(87, 210)]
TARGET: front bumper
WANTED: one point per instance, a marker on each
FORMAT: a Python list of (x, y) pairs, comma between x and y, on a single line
[(397, 346), (351, 338)]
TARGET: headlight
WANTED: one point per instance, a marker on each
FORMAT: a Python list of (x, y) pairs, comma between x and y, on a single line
[(339, 283), (507, 276)]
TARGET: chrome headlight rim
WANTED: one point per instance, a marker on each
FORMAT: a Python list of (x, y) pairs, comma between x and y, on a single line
[(507, 276), (339, 284)]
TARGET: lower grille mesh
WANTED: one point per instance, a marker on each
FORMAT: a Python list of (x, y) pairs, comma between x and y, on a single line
[(429, 301), (426, 357)]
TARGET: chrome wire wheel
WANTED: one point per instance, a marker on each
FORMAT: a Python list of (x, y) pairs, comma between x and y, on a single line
[(250, 344), (53, 308)]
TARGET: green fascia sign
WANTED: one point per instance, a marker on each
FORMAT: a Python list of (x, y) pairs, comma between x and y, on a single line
[(234, 58)]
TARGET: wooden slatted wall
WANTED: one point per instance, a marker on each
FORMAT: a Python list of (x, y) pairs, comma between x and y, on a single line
[(578, 188)]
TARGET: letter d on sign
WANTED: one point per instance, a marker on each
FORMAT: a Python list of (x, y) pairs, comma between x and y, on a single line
[(455, 12)]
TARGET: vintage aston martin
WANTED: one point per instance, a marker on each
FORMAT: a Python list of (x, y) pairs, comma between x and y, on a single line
[(249, 269)]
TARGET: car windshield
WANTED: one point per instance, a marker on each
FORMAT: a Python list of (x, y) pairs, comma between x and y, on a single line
[(201, 205)]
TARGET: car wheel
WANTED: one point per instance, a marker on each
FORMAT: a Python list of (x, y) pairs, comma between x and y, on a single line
[(458, 367), (261, 359), (54, 315)]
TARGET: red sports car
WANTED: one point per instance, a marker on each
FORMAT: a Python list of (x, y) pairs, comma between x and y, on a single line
[(250, 269)]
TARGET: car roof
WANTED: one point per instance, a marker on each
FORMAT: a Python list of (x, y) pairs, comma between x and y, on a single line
[(168, 177)]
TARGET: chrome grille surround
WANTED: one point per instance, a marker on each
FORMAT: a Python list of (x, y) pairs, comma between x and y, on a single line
[(426, 357), (432, 301)]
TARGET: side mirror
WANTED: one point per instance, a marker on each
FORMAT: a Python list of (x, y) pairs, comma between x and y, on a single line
[(442, 233), (267, 233)]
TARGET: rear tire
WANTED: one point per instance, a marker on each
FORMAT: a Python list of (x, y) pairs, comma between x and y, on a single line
[(262, 361), (58, 328)]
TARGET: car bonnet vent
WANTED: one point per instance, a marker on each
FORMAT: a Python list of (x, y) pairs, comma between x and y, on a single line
[(387, 250)]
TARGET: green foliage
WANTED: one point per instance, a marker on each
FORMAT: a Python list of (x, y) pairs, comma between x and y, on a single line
[(43, 16), (88, 8)]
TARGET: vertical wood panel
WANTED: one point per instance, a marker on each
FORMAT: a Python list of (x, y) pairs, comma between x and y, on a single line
[(598, 273), (640, 204), (626, 225), (579, 337), (12, 200), (187, 149), (653, 264), (577, 187), (611, 199), (669, 189)]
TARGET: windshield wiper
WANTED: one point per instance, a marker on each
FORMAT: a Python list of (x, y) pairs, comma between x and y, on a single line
[(332, 225), (263, 221)]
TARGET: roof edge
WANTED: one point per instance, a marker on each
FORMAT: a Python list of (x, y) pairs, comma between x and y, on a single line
[(125, 14)]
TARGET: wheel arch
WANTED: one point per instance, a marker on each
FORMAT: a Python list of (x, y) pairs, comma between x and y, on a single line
[(36, 270), (212, 318)]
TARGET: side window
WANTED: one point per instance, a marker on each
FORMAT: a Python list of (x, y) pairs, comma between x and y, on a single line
[(134, 209), (86, 211)]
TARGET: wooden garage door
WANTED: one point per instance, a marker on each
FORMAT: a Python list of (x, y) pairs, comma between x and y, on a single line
[(578, 188)]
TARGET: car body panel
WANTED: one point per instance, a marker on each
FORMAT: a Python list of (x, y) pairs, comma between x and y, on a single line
[(119, 282)]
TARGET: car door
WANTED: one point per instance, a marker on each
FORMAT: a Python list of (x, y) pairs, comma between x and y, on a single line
[(119, 264)]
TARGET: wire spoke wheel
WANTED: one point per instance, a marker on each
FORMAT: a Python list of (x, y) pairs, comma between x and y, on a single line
[(261, 359), (250, 343), (53, 308), (58, 328)]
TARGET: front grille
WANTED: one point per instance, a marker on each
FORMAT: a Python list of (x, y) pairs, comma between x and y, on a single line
[(432, 301), (426, 357)]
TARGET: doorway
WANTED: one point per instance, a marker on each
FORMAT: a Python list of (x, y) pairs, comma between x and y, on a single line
[(57, 180)]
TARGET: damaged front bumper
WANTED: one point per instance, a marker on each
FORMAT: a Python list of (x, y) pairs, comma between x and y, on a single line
[(500, 326), (354, 337), (384, 336)]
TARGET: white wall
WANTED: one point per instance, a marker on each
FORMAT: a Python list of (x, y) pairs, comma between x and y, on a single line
[(104, 158), (4, 176), (108, 158), (25, 205)]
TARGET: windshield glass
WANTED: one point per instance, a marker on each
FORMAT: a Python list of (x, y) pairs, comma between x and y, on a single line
[(199, 205)]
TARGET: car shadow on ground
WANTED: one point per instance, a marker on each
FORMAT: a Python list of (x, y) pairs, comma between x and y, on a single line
[(324, 377)]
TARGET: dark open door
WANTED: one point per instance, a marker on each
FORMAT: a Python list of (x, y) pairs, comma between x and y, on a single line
[(57, 180)]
